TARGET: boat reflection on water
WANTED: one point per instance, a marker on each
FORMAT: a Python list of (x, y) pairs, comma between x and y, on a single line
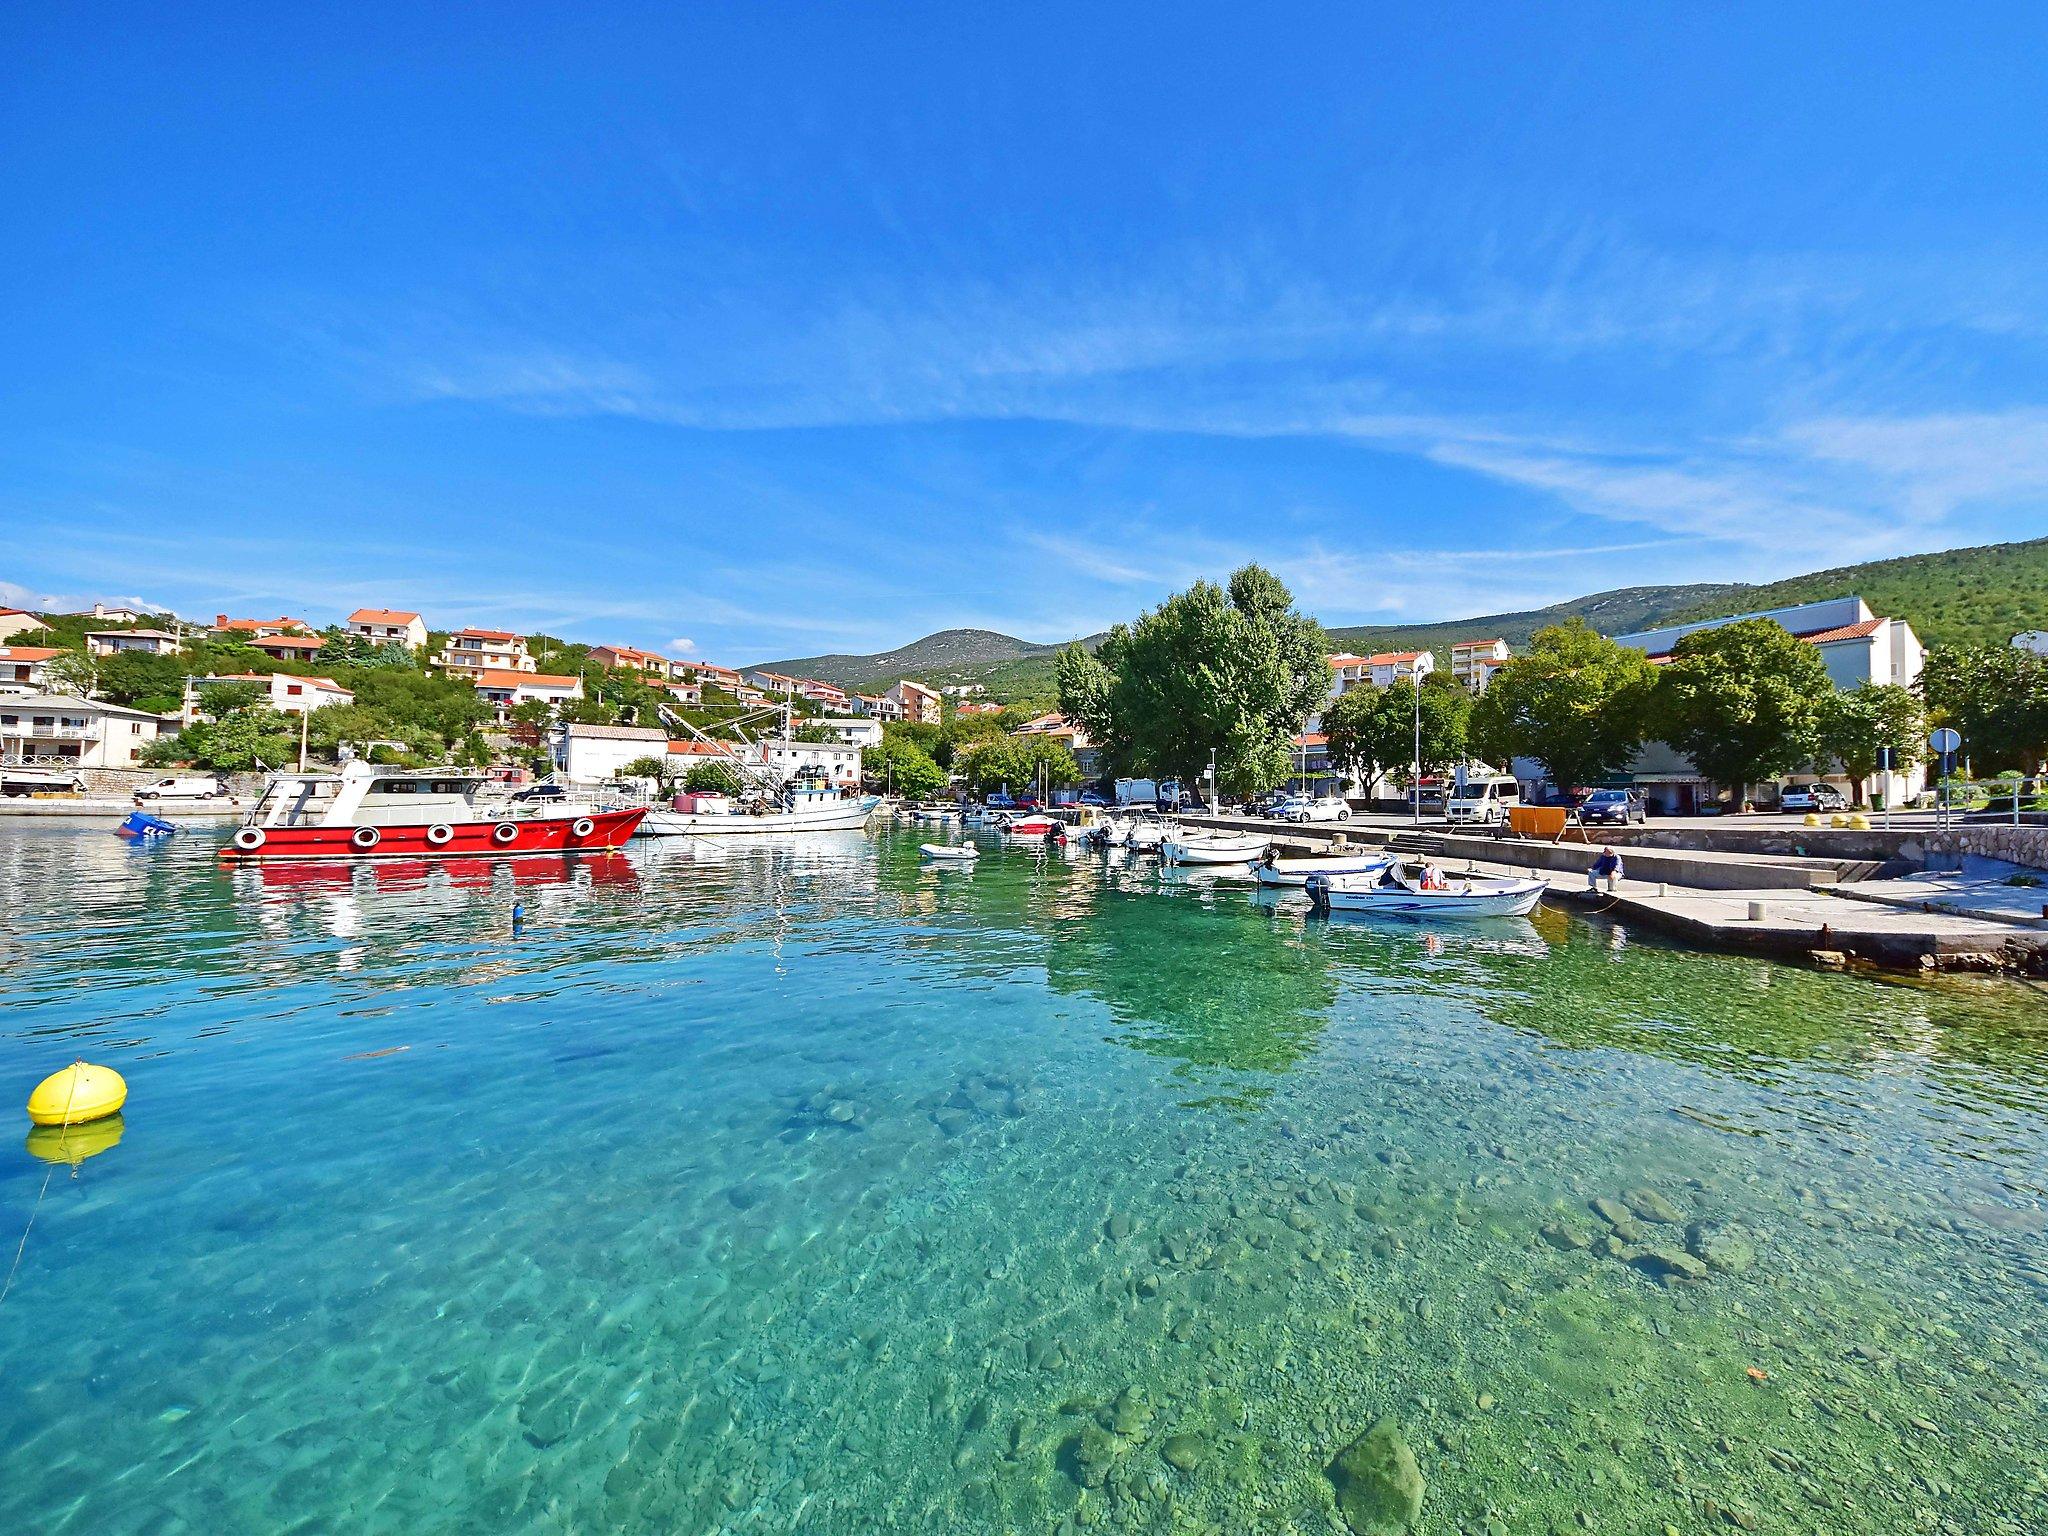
[(604, 869)]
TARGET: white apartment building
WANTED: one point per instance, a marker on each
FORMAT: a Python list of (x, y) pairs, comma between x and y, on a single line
[(384, 626), (471, 651), (837, 764), (150, 642), (857, 732), (1473, 662), (592, 754), (875, 706), (76, 733)]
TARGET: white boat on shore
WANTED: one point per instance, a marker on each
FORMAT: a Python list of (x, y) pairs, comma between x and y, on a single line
[(1294, 874), (1404, 891), (1213, 847)]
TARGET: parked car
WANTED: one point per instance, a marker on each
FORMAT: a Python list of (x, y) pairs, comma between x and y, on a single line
[(540, 792), (187, 788), (1092, 797), (999, 801), (1307, 808), (1613, 807), (1812, 797)]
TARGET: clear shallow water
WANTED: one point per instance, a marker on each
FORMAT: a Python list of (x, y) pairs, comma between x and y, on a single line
[(800, 1188)]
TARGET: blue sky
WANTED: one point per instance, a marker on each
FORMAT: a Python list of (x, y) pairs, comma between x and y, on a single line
[(772, 329)]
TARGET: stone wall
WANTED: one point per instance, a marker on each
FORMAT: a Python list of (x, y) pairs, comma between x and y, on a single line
[(2025, 846)]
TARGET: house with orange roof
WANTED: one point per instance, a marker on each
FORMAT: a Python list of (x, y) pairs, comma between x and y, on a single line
[(470, 652), (258, 629), (25, 668), (388, 626), (1473, 662), (506, 688), (288, 647)]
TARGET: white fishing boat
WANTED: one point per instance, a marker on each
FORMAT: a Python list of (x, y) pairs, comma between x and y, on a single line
[(1147, 836), (1293, 874), (949, 853), (1213, 847), (1403, 890), (798, 810)]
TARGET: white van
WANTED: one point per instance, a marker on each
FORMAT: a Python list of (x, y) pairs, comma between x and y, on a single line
[(1483, 801), (191, 789)]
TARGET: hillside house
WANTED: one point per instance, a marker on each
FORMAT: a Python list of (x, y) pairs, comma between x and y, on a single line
[(505, 690), (470, 652), (284, 693), (147, 642), (19, 621), (388, 626), (917, 702), (76, 733)]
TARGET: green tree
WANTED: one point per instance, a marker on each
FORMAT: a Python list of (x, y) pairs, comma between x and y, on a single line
[(649, 767), (1373, 730), (448, 707), (711, 779), (1858, 724), (243, 740), (225, 697), (1021, 763), (1232, 672), (71, 672), (813, 732), (1996, 696), (1576, 702), (905, 767), (1744, 701), (140, 680)]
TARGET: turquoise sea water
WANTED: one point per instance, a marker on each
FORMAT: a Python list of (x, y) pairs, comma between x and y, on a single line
[(801, 1188)]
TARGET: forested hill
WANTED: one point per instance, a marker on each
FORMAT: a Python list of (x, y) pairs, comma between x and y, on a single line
[(1982, 595)]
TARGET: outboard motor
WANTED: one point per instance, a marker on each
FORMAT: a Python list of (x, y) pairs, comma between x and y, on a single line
[(1318, 888)]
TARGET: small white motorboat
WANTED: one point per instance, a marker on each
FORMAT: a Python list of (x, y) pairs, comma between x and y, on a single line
[(1407, 891), (1146, 836), (1295, 873), (949, 853), (1212, 847)]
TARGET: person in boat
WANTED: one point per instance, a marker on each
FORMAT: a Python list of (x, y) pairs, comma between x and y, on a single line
[(1607, 867), (1432, 878)]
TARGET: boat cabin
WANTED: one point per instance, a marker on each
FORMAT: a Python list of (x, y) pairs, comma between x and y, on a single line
[(362, 795)]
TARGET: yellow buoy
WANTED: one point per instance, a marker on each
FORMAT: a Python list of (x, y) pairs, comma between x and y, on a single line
[(79, 1093), (73, 1144)]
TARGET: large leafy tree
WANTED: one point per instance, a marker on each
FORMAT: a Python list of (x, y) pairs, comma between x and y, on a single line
[(905, 767), (1997, 697), (1020, 762), (1373, 730), (239, 741), (1231, 671), (140, 680), (1575, 701), (1744, 701), (448, 707), (1857, 725)]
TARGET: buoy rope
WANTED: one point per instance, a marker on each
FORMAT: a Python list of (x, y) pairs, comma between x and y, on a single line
[(35, 1210)]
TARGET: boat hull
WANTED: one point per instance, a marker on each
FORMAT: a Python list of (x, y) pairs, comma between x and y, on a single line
[(1236, 850), (606, 830), (1293, 874), (1513, 899), (846, 816)]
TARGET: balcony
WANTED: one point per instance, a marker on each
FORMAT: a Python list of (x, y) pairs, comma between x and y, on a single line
[(31, 729)]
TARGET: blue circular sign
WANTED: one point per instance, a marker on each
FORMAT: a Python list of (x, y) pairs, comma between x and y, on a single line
[(1945, 740)]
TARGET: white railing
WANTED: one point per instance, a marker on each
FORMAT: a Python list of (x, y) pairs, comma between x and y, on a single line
[(28, 731)]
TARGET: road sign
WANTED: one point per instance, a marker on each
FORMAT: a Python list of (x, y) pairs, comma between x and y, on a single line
[(1945, 740)]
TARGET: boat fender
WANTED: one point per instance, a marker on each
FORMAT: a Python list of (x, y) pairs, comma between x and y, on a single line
[(249, 839), (79, 1093), (440, 834), (582, 826), (504, 832), (365, 838)]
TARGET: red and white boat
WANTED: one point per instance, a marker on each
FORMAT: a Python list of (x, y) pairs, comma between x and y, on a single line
[(365, 812)]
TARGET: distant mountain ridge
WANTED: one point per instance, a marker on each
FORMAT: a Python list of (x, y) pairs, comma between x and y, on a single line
[(1979, 595)]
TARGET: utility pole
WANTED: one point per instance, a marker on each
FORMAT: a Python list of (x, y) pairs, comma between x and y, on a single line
[(305, 716), (1415, 778)]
